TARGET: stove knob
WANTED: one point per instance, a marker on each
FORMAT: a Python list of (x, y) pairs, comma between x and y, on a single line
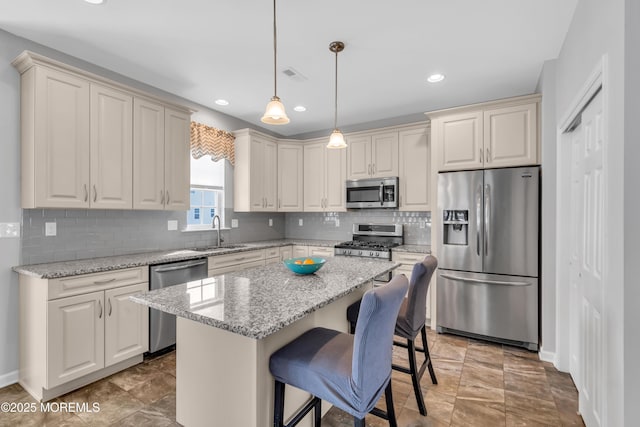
[(370, 253), (359, 253)]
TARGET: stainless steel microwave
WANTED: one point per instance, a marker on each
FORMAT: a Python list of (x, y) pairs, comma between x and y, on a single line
[(372, 193)]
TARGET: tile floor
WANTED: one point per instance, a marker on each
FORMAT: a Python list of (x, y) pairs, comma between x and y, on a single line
[(479, 384)]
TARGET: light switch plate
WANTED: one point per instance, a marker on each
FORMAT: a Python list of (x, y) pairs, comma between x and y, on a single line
[(234, 223), (270, 222), (172, 225), (337, 222), (9, 229), (50, 229), (300, 222)]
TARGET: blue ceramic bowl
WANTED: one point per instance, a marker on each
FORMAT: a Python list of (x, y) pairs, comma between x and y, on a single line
[(304, 268)]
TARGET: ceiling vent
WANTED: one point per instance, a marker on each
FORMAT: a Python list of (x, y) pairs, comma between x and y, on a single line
[(294, 74)]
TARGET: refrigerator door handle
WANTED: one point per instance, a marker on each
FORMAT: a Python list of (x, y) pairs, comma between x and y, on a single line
[(484, 282), (478, 211), (487, 217)]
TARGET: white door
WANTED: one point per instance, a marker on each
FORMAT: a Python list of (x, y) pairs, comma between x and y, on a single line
[(290, 177), (270, 177), (314, 180), (126, 324), (359, 157), (148, 155), (384, 154), (335, 177), (177, 160), (587, 351)]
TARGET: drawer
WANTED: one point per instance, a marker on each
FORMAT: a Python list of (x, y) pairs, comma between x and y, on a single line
[(286, 252), (320, 251), (300, 251), (231, 268), (272, 252), (220, 261), (407, 257), (76, 285)]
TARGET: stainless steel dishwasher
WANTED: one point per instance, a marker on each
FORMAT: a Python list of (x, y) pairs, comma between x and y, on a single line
[(162, 326)]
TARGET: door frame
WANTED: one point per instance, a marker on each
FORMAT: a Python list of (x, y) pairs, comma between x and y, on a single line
[(597, 81)]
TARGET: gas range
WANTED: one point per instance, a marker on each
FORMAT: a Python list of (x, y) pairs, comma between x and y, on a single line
[(371, 241)]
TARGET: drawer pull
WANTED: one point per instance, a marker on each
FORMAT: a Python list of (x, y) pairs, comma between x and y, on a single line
[(102, 282)]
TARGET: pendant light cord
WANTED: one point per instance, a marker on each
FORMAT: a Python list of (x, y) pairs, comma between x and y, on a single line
[(335, 116), (275, 52)]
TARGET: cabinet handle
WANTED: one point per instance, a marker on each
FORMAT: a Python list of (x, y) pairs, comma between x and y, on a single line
[(86, 193), (168, 197), (369, 169), (95, 193), (279, 204), (109, 300), (100, 305), (102, 282), (481, 155), (488, 156)]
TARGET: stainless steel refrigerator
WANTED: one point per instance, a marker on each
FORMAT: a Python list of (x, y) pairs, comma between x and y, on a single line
[(488, 254)]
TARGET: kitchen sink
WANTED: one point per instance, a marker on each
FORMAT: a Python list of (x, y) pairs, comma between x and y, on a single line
[(218, 248)]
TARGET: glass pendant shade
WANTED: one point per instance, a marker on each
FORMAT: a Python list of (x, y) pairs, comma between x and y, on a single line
[(275, 113), (336, 140)]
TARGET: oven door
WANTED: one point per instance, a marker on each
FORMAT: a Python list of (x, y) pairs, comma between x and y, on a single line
[(372, 193)]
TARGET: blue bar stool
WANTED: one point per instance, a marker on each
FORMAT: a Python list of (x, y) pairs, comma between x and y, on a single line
[(349, 371), (411, 322)]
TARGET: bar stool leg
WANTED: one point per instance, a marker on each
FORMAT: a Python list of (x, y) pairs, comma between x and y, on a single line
[(427, 356), (278, 405), (414, 377), (357, 422), (317, 412), (391, 413)]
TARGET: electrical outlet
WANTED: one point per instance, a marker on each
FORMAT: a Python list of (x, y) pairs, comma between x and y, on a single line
[(337, 222), (50, 229), (172, 225), (234, 223), (422, 224), (300, 222), (270, 222), (9, 229)]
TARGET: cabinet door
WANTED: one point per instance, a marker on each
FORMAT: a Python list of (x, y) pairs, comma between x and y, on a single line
[(415, 170), (384, 154), (177, 161), (321, 251), (290, 178), (511, 136), (286, 252), (359, 157), (257, 162), (148, 155), (75, 344), (111, 149), (300, 251), (335, 178), (459, 141), (270, 176), (314, 179), (61, 135), (126, 324)]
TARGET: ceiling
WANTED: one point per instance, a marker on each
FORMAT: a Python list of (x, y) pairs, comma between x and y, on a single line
[(204, 50)]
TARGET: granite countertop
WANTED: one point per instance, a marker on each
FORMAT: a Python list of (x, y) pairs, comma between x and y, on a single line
[(55, 270), (258, 302), (421, 249)]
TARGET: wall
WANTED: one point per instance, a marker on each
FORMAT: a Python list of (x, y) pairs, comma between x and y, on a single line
[(597, 29), (631, 213), (150, 226), (319, 225), (547, 87)]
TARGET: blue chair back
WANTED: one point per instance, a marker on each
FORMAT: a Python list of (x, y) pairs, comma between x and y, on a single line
[(373, 340), (418, 287)]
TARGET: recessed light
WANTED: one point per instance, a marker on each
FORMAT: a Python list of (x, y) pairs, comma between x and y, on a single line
[(222, 102), (299, 108), (95, 1), (435, 78)]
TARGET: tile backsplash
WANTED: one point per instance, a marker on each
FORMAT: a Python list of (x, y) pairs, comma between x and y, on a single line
[(339, 225), (83, 233)]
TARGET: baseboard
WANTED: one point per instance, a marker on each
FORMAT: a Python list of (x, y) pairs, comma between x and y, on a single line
[(8, 379), (548, 356)]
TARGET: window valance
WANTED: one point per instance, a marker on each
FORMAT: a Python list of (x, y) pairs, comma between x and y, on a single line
[(215, 142)]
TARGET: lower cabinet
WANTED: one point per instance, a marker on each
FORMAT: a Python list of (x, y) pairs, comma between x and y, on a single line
[(286, 252), (75, 330), (303, 250), (407, 260), (221, 264)]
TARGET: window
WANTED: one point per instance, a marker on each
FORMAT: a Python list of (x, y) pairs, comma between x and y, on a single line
[(207, 193)]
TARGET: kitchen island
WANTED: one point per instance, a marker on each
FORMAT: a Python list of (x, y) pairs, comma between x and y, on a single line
[(228, 326)]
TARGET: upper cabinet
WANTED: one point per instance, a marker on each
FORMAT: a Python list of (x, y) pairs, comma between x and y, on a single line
[(290, 177), (372, 155), (496, 134), (255, 183), (324, 178), (415, 169), (79, 135)]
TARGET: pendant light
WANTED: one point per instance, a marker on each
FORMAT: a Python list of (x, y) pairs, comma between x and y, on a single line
[(336, 140), (275, 113)]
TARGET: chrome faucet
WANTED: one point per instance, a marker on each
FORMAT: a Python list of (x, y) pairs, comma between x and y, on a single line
[(213, 224)]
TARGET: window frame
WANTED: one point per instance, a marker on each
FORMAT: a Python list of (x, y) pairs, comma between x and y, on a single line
[(219, 200)]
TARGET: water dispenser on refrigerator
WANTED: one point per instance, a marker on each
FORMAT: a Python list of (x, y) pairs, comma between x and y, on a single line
[(455, 227)]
